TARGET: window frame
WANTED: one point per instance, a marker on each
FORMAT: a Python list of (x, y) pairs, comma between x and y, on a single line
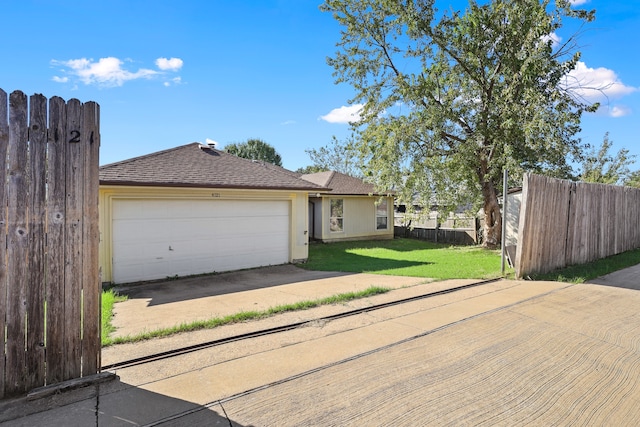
[(384, 201), (339, 220)]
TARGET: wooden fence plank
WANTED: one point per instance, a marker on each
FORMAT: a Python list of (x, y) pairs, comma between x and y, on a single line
[(595, 199), (522, 248), (571, 220), (91, 291), (4, 144), (17, 246), (73, 240), (609, 217), (622, 217), (56, 217), (576, 252), (35, 292)]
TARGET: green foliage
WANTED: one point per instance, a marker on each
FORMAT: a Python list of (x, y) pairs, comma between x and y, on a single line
[(255, 149), (337, 156), (310, 169), (600, 166), (633, 180), (451, 99), (405, 257)]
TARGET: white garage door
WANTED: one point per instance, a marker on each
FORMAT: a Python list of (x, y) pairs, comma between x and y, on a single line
[(155, 239)]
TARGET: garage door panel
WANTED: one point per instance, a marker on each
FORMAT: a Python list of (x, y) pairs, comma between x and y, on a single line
[(153, 239), (187, 230)]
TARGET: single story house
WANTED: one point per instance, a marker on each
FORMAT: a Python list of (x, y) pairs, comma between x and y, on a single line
[(350, 210), (194, 209)]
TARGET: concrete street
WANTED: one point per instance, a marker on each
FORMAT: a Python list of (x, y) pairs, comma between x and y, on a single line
[(503, 353)]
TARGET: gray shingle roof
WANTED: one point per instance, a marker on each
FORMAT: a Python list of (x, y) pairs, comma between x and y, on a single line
[(196, 165), (341, 183)]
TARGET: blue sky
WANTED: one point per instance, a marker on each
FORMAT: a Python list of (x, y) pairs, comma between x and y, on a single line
[(171, 72)]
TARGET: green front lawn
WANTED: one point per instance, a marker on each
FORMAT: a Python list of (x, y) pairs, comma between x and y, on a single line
[(401, 257), (405, 257)]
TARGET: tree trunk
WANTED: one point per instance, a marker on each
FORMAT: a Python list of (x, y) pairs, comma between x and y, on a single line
[(492, 216)]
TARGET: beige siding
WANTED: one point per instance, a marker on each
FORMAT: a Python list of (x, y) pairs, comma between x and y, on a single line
[(513, 218), (359, 219)]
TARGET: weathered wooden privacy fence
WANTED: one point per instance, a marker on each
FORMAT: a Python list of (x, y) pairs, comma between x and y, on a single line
[(564, 223), (457, 229), (49, 279)]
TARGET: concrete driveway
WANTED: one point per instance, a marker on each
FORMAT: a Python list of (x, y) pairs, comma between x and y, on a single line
[(503, 353), (169, 303)]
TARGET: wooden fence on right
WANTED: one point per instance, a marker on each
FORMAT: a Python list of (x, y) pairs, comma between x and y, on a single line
[(564, 223)]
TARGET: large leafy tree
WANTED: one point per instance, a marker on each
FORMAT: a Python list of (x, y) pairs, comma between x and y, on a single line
[(600, 165), (255, 149), (450, 99)]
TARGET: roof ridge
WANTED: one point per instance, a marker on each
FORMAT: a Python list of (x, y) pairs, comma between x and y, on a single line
[(146, 156), (325, 182), (190, 166)]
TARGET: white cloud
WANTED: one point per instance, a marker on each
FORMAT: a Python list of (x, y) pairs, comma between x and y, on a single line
[(104, 72), (175, 81), (613, 111), (578, 2), (111, 71), (171, 64), (596, 84), (554, 38), (619, 111), (288, 122), (344, 114)]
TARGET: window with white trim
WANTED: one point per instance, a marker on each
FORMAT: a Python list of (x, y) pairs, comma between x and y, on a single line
[(336, 219), (382, 215)]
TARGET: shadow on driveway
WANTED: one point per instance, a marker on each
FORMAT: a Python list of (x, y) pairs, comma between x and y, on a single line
[(628, 278), (170, 291), (112, 403)]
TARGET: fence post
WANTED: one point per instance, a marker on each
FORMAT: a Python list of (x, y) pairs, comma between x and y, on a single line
[(4, 144), (504, 218)]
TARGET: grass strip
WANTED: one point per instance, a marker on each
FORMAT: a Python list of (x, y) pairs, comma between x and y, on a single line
[(240, 317), (584, 272), (109, 298)]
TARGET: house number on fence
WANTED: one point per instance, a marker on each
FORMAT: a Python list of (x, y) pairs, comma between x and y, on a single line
[(75, 136)]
